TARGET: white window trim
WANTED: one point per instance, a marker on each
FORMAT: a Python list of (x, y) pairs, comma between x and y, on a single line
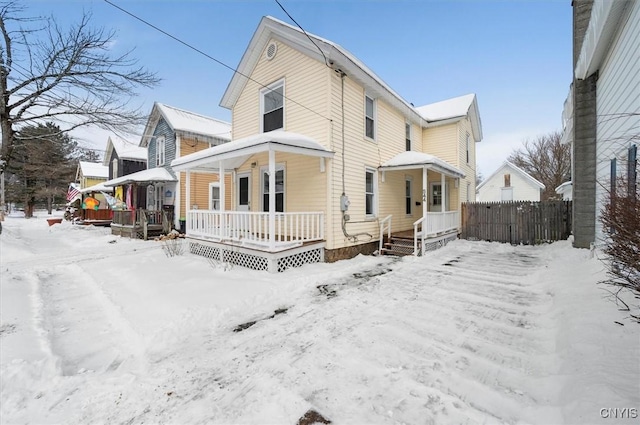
[(445, 195), (263, 171), (468, 149), (212, 185), (374, 205), (410, 180), (159, 195), (375, 117), (271, 87), (408, 124), (160, 153)]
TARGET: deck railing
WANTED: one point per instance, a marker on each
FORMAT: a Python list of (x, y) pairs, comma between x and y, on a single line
[(252, 228), (434, 224), (142, 219)]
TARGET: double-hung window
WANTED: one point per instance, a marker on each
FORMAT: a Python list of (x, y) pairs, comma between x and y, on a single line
[(369, 117), (214, 196), (407, 136), (272, 106), (468, 147), (279, 188), (408, 183), (370, 192), (160, 151)]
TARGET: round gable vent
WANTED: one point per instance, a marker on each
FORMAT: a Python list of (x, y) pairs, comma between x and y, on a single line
[(271, 51)]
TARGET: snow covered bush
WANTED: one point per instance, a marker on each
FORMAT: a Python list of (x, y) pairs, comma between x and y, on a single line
[(173, 247), (620, 219)]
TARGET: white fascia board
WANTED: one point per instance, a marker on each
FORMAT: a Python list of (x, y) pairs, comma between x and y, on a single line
[(603, 24)]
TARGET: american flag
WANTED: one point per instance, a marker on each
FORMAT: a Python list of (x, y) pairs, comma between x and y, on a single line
[(72, 192)]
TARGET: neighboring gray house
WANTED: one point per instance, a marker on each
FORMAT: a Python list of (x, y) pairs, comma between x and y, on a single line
[(601, 116), (509, 183), (171, 133)]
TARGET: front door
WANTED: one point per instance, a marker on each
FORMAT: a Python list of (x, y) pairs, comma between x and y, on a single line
[(244, 192)]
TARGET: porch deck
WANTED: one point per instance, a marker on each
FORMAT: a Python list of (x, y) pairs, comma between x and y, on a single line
[(140, 224), (260, 241)]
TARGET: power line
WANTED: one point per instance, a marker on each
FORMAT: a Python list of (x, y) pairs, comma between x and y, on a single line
[(184, 43), (326, 62)]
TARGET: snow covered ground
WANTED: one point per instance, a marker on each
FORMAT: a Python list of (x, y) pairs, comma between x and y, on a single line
[(102, 329)]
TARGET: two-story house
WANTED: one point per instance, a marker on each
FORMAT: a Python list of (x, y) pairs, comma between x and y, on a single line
[(122, 158), (155, 196), (327, 160)]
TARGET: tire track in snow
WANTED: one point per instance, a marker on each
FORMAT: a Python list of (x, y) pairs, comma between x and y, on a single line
[(102, 341), (424, 343)]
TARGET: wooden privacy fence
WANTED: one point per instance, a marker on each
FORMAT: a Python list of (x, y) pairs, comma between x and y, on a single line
[(516, 222)]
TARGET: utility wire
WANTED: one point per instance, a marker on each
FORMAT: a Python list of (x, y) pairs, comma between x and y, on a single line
[(326, 62), (209, 56)]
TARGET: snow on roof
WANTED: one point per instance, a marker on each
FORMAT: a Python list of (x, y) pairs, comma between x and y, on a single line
[(100, 187), (450, 108), (151, 175), (190, 122), (126, 149), (241, 148), (94, 169), (418, 159)]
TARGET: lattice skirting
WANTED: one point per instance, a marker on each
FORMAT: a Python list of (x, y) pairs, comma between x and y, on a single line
[(257, 260), (432, 245)]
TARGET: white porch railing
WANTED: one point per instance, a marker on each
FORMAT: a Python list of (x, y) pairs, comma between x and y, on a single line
[(385, 224), (434, 224), (252, 228)]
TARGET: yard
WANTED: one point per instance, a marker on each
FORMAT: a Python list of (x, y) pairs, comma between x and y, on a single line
[(97, 328)]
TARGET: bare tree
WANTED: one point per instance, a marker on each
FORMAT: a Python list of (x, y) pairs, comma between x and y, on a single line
[(67, 75), (547, 160)]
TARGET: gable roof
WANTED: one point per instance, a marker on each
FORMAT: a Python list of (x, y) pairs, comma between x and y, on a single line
[(124, 149), (92, 169), (452, 110), (337, 57), (515, 169), (186, 123)]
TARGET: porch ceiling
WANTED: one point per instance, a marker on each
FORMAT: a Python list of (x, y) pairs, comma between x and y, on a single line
[(416, 160), (237, 152)]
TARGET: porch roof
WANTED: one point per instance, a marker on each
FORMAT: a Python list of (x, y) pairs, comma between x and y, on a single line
[(237, 152), (412, 160), (100, 187), (151, 175)]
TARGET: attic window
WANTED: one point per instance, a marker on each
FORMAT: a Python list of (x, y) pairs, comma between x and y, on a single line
[(271, 51), (507, 180)]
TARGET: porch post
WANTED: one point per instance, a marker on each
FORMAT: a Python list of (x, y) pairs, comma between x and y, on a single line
[(187, 194), (272, 199), (442, 205), (222, 186), (425, 191)]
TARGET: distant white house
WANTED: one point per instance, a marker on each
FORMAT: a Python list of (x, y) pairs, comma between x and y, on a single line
[(509, 183), (566, 191)]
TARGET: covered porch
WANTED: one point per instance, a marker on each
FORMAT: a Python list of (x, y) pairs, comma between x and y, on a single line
[(438, 214), (130, 216), (272, 239)]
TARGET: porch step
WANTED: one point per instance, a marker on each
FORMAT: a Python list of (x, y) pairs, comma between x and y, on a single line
[(398, 247)]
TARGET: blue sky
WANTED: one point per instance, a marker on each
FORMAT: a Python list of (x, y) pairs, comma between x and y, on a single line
[(514, 54)]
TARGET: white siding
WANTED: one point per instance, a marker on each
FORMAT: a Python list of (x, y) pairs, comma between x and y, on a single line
[(523, 189), (618, 95)]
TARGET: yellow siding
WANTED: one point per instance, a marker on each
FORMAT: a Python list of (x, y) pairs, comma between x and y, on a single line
[(469, 168), (442, 142), (199, 181), (305, 185), (305, 89)]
